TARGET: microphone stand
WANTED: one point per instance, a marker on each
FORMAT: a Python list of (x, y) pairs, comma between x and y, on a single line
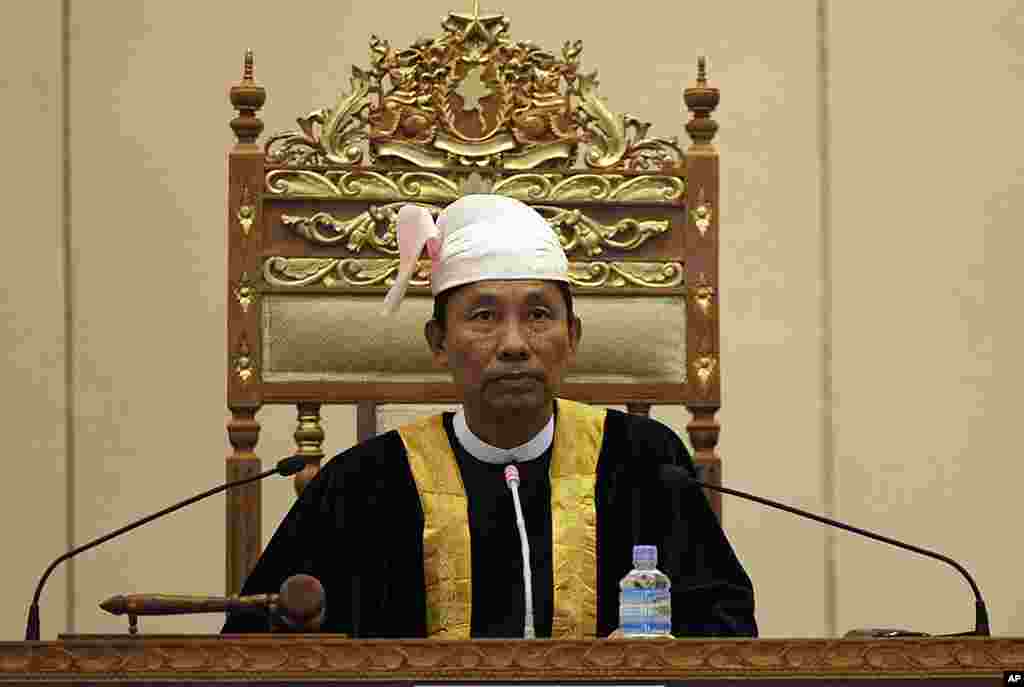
[(981, 623), (512, 479), (288, 466)]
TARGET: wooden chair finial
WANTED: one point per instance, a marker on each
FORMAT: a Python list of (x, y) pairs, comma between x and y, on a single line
[(701, 100), (247, 97)]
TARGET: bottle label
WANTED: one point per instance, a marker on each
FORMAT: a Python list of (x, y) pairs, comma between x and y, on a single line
[(640, 628), (645, 611), (645, 596)]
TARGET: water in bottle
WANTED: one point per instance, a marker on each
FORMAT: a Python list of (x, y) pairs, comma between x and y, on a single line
[(645, 600)]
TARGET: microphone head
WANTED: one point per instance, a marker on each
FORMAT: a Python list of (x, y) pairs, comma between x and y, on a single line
[(674, 475), (291, 465), (512, 475), (116, 605)]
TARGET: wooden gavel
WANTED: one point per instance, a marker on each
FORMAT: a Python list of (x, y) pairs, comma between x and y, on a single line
[(298, 607)]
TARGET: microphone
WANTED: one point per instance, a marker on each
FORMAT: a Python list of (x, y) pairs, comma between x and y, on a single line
[(678, 475), (286, 467), (512, 479), (299, 605)]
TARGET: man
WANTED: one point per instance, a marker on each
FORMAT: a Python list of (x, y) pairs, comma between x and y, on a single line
[(413, 533)]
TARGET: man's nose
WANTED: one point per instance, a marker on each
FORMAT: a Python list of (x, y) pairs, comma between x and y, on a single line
[(513, 342)]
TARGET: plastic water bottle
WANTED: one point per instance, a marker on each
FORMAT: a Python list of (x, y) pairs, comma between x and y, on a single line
[(645, 598)]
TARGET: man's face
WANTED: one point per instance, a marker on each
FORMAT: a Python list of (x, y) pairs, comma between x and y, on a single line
[(508, 344)]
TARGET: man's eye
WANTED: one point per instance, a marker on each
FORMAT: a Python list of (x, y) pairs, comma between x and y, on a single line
[(485, 315), (540, 314)]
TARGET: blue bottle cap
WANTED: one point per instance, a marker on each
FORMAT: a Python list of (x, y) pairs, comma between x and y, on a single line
[(646, 554)]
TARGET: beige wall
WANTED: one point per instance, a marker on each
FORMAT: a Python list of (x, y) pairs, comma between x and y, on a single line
[(927, 187), (33, 491), (862, 298)]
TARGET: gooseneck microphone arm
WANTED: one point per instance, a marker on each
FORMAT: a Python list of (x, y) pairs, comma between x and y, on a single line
[(673, 473), (288, 466)]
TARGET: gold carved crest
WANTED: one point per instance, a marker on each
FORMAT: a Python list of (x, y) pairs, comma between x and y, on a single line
[(474, 97)]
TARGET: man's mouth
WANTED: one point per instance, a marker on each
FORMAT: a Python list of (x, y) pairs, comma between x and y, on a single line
[(517, 378)]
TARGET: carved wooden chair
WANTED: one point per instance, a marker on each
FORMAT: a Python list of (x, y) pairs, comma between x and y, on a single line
[(312, 247)]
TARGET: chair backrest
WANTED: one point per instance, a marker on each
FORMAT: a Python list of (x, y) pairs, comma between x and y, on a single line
[(312, 243)]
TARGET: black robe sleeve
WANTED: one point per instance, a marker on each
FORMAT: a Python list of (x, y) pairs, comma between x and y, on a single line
[(296, 547), (357, 528), (711, 593)]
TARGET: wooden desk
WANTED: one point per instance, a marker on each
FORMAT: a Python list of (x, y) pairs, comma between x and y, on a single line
[(308, 659)]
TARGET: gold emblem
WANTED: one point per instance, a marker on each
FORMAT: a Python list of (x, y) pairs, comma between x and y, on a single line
[(705, 368), (244, 292), (702, 213), (244, 366), (474, 97), (704, 295), (246, 212)]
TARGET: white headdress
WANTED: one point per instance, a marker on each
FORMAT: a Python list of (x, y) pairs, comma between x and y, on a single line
[(477, 237)]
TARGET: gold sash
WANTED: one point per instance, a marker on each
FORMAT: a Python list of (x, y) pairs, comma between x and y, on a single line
[(579, 431)]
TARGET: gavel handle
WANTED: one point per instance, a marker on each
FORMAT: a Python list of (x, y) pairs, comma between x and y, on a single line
[(183, 604)]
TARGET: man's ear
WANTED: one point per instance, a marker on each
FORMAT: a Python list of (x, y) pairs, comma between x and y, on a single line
[(575, 333), (435, 336)]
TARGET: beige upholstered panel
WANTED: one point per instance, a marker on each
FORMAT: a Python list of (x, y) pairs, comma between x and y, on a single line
[(346, 339), (393, 416), (634, 340)]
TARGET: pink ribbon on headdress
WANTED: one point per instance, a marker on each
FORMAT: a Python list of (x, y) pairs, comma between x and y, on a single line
[(416, 230)]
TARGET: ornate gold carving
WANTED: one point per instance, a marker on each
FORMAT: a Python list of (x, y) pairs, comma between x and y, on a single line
[(648, 188), (475, 183), (705, 368), (473, 97), (616, 275), (327, 135), (246, 212), (298, 272), (381, 272), (702, 213), (377, 227), (244, 292), (277, 658), (361, 184), (577, 231), (280, 271), (285, 272), (704, 295), (612, 146), (244, 366)]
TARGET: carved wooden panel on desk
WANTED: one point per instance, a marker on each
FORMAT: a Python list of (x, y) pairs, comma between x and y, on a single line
[(301, 659)]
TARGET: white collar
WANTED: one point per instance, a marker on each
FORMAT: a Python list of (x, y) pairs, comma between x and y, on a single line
[(481, 450)]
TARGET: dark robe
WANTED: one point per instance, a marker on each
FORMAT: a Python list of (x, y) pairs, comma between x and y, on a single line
[(358, 528)]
